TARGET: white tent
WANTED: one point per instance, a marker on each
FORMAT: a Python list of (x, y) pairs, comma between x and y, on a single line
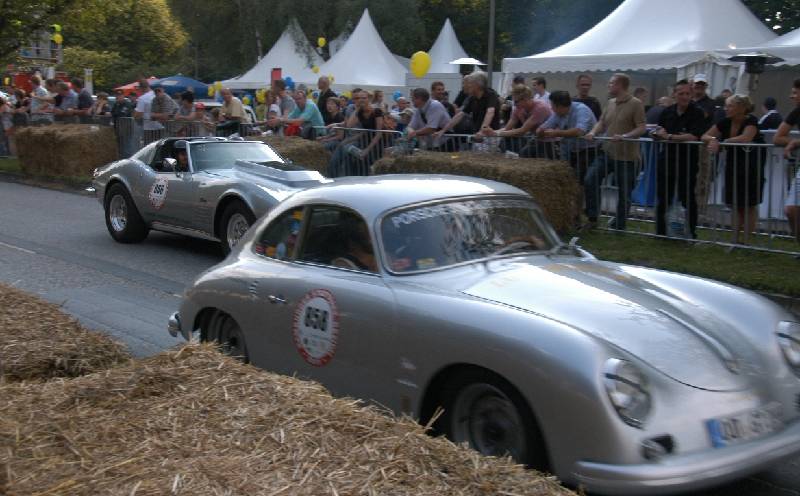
[(789, 39), (364, 60), (288, 54), (337, 43), (445, 49), (647, 35)]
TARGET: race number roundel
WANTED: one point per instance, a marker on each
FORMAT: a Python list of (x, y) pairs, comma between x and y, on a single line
[(158, 192), (316, 327)]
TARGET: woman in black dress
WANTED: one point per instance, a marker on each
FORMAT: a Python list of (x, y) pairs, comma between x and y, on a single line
[(744, 165)]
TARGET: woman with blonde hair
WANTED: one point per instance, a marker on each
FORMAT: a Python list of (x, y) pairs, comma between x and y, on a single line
[(744, 165)]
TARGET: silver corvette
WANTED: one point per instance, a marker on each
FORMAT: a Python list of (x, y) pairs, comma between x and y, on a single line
[(452, 299), (218, 191)]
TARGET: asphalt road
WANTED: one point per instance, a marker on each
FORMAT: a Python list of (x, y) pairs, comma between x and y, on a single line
[(55, 244)]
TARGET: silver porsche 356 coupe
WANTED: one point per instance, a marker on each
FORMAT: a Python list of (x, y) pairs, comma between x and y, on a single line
[(420, 292), (212, 188)]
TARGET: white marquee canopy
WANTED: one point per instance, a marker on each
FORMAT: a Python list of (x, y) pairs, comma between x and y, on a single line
[(364, 60), (445, 49), (646, 34), (288, 54)]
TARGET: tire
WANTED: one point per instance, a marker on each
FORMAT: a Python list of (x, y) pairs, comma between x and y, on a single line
[(122, 217), (234, 222), (486, 412), (220, 328)]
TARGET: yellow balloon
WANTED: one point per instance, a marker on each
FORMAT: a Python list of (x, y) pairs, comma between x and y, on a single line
[(211, 90), (246, 100), (420, 63), (321, 42), (58, 38), (217, 85), (331, 78), (260, 98), (315, 69), (347, 94)]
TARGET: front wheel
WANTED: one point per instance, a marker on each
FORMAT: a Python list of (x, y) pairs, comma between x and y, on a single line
[(486, 412), (122, 218), (236, 219), (220, 328)]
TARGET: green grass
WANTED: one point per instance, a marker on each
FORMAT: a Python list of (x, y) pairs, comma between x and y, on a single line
[(761, 271), (10, 165)]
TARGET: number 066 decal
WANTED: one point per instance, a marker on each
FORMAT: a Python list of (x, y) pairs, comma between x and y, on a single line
[(316, 327)]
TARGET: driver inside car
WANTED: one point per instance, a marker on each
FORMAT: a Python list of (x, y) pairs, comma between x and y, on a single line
[(357, 250), (182, 156)]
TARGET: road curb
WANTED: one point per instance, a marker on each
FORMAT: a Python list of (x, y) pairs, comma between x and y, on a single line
[(46, 182)]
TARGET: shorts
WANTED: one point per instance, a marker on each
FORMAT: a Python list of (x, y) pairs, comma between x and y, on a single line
[(793, 198)]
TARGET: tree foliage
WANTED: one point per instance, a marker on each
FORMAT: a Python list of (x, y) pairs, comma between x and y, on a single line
[(20, 19), (782, 16), (105, 65)]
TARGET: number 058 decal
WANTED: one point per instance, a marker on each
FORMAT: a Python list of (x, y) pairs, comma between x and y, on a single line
[(316, 327)]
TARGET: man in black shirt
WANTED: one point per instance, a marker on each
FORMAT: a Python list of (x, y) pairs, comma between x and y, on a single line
[(584, 85), (702, 100), (481, 107), (678, 163), (325, 92)]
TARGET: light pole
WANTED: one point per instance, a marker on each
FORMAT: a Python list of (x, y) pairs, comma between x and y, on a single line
[(490, 62)]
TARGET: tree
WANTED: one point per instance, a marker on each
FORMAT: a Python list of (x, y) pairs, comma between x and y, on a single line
[(21, 19), (781, 16), (105, 65)]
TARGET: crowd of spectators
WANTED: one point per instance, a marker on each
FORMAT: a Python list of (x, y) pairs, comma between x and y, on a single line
[(359, 126)]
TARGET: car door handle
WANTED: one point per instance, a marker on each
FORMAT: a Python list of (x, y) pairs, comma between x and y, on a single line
[(276, 299)]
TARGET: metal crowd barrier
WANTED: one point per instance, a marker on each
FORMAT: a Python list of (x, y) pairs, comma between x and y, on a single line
[(355, 150), (734, 197)]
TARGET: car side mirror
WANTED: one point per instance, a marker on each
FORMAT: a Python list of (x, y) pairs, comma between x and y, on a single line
[(169, 165)]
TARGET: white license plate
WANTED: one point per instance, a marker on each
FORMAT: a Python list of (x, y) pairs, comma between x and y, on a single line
[(743, 426)]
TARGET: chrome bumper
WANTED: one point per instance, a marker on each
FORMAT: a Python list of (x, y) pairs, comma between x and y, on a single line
[(692, 471), (174, 325)]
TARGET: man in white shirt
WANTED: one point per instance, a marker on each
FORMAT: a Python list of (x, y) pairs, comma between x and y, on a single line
[(540, 90), (143, 107), (41, 110)]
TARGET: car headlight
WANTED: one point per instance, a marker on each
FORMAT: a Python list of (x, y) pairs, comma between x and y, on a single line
[(628, 391), (789, 340)]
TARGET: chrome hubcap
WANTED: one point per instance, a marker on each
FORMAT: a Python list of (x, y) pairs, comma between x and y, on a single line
[(237, 226), (118, 213), (486, 419)]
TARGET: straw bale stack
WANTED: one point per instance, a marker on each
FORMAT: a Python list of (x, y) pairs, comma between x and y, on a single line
[(552, 183), (307, 153), (68, 150), (193, 421), (38, 341)]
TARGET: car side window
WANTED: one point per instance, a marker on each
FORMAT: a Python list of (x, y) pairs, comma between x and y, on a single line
[(338, 237), (279, 238)]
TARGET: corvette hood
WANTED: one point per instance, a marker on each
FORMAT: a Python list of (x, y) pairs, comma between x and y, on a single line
[(680, 339)]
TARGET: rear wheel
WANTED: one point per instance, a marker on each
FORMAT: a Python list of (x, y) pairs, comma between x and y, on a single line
[(220, 328), (236, 219), (122, 217), (486, 412)]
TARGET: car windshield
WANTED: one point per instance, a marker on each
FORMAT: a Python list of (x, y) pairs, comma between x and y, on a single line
[(443, 234), (223, 155)]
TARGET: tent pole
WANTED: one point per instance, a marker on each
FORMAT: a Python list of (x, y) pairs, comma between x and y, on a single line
[(490, 62)]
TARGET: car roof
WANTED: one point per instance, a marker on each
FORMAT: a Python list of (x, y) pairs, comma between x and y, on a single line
[(371, 196)]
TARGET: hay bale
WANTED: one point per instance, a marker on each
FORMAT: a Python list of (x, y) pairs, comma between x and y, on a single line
[(303, 152), (39, 342), (195, 422), (551, 183), (65, 150)]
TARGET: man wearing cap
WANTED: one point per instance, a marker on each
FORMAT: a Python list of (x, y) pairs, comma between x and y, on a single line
[(701, 98)]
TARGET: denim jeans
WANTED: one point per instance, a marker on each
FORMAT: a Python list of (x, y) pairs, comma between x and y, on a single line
[(625, 174)]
